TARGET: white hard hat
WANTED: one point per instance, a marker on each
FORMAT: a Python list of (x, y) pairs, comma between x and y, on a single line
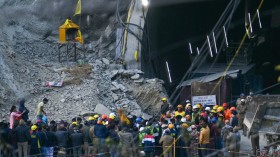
[(195, 107), (141, 129), (184, 120), (207, 109), (242, 100), (112, 114)]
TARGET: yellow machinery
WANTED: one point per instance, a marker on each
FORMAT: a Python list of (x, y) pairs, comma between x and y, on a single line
[(70, 31), (69, 34)]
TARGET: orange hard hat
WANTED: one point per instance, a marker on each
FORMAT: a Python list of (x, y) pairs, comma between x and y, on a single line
[(104, 116), (170, 126), (232, 109), (225, 105)]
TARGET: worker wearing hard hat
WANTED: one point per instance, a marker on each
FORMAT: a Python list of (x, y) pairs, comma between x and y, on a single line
[(180, 111), (195, 115), (188, 109), (227, 112), (170, 111), (164, 106)]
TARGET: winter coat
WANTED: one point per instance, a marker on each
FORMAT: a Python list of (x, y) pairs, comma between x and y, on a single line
[(100, 131), (62, 138), (22, 133), (76, 138), (149, 143), (231, 141), (166, 140), (22, 108), (43, 138), (51, 139)]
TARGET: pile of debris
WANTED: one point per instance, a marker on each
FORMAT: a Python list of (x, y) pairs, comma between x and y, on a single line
[(29, 65)]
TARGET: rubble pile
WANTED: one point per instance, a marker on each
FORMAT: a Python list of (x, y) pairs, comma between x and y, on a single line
[(96, 83)]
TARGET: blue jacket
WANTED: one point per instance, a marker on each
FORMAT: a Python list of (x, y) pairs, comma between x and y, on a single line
[(100, 131)]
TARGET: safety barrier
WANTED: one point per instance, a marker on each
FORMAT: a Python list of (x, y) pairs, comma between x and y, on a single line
[(213, 152)]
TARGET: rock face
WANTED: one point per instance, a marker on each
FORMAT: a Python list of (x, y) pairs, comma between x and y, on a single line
[(101, 109), (29, 60)]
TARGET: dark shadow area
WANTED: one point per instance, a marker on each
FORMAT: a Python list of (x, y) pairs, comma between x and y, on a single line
[(169, 29)]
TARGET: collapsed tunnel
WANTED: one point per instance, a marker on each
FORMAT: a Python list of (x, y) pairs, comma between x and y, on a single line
[(169, 29)]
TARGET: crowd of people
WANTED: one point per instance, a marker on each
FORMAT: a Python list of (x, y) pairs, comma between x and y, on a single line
[(188, 130)]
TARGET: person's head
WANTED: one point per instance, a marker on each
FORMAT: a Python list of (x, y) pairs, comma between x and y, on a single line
[(188, 117), (234, 112), (45, 100), (242, 95), (171, 126), (242, 101), (164, 99), (180, 107), (170, 107), (188, 106), (225, 106), (34, 127), (167, 132), (178, 118), (21, 122), (214, 120), (227, 122), (13, 109), (21, 101), (203, 125), (195, 108), (79, 120)]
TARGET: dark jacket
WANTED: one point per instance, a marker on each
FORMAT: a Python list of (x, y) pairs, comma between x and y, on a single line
[(22, 133), (42, 138), (77, 138), (100, 131), (21, 109), (115, 139), (149, 143), (62, 138), (51, 139)]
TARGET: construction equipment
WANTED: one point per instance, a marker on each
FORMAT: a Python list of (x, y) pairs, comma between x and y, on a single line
[(262, 116)]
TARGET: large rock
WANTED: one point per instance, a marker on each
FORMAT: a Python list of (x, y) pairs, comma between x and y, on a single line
[(135, 77), (101, 109), (145, 116)]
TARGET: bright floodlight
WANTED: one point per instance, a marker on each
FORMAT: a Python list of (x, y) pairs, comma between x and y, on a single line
[(145, 3)]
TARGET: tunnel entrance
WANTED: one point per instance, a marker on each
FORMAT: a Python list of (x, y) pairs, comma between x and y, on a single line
[(170, 28)]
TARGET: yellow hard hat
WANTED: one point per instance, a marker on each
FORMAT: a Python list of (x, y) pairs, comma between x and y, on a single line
[(164, 99), (213, 111), (220, 108), (91, 118), (33, 127), (112, 117), (96, 116), (185, 125), (215, 107), (199, 106), (74, 123)]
